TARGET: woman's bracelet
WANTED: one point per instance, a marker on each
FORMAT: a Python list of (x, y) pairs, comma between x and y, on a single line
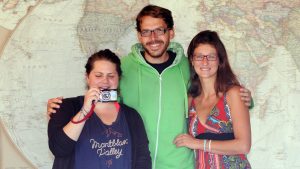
[(209, 150), (83, 111), (204, 145), (86, 116)]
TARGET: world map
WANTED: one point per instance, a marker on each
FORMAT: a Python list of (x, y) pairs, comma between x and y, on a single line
[(44, 46)]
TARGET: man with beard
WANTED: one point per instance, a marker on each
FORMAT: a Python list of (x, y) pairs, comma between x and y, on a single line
[(155, 82)]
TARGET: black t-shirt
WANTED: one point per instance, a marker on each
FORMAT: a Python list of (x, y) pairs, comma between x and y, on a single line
[(162, 66)]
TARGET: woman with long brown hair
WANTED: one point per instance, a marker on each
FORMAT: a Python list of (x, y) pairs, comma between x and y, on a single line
[(219, 128)]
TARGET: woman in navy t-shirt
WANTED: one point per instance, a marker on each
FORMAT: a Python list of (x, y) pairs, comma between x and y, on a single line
[(94, 131)]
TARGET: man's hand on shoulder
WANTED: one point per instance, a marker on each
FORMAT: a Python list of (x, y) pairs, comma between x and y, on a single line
[(246, 96), (53, 104)]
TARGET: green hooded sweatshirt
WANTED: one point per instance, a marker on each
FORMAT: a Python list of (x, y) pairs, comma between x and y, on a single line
[(161, 100)]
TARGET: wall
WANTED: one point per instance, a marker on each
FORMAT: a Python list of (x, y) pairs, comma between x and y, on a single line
[(10, 155)]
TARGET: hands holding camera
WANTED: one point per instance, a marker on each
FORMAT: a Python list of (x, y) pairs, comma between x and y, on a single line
[(91, 96)]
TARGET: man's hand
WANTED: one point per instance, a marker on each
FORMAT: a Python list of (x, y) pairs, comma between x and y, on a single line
[(53, 104), (246, 96)]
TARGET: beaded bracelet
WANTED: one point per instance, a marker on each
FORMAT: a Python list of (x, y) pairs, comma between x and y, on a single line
[(83, 111), (204, 145), (85, 117)]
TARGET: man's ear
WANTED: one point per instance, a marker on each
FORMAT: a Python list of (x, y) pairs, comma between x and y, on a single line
[(139, 36), (172, 33)]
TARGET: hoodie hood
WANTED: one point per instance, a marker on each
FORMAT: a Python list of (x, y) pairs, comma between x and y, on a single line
[(175, 47)]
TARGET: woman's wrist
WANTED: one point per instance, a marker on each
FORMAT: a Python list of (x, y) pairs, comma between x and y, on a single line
[(84, 111)]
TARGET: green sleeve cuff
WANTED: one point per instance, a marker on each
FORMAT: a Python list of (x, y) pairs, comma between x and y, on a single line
[(251, 104)]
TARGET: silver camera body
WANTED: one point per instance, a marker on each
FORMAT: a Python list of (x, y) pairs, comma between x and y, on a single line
[(108, 95)]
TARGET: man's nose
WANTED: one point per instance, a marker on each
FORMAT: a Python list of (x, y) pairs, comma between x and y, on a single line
[(153, 35)]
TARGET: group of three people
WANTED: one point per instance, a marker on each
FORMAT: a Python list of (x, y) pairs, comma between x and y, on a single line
[(159, 88)]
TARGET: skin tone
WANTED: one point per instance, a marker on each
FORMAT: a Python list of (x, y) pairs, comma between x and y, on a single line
[(155, 52), (155, 45), (207, 72), (103, 76)]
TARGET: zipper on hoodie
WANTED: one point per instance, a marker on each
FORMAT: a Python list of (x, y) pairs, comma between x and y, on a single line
[(159, 112), (158, 120), (160, 109)]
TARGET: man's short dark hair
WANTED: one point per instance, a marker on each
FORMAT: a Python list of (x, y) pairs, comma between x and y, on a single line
[(155, 12)]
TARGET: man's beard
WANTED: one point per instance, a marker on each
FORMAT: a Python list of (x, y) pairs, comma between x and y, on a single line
[(156, 54)]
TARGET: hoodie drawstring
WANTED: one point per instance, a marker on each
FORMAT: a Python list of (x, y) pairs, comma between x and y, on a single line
[(184, 93)]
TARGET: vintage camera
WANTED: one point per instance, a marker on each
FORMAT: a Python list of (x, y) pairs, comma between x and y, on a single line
[(108, 95)]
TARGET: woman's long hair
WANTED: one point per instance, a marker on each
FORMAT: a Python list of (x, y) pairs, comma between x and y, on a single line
[(225, 76)]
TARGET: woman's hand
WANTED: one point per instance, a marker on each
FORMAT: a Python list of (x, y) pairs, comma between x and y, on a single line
[(91, 95), (186, 140)]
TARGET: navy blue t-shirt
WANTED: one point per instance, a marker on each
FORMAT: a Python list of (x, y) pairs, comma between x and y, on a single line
[(104, 146)]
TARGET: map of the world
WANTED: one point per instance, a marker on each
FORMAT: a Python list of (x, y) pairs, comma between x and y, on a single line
[(44, 45)]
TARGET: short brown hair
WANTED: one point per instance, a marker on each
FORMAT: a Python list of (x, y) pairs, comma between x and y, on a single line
[(155, 12)]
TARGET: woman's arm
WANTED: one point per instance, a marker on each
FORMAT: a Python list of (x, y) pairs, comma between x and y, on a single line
[(239, 112), (143, 159), (60, 143)]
